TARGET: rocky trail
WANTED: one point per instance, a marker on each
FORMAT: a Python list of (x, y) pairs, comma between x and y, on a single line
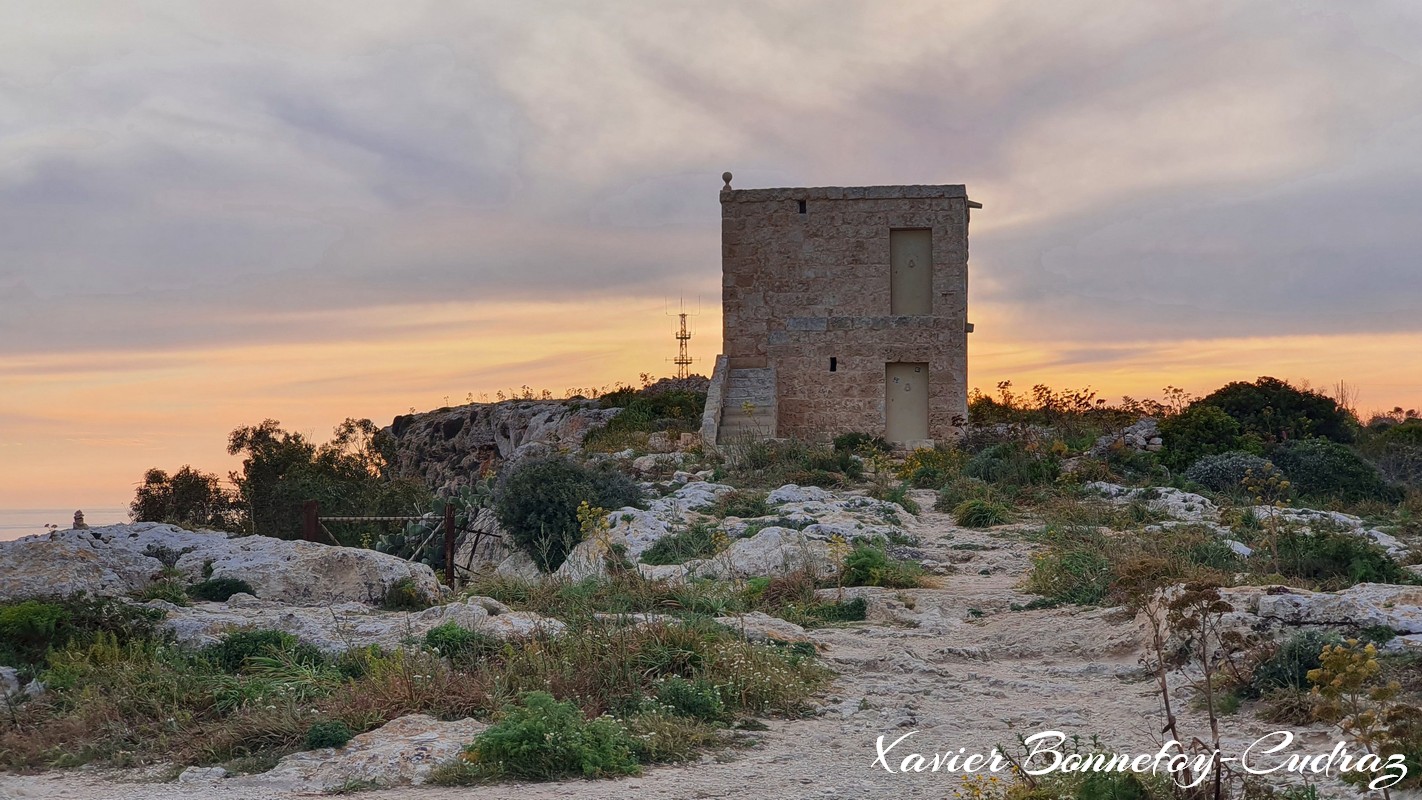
[(955, 664)]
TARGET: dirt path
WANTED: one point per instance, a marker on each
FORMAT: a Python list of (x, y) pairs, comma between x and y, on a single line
[(971, 674)]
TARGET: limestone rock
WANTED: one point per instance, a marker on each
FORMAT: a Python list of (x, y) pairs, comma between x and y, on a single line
[(772, 551), (1142, 435), (519, 565), (202, 775), (758, 626), (1180, 505), (1361, 606), (401, 752), (118, 560), (492, 549), (338, 627), (451, 447)]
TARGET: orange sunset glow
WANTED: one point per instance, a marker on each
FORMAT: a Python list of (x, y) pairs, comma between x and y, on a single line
[(235, 212)]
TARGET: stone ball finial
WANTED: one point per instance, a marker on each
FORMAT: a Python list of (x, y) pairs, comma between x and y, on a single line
[(726, 176)]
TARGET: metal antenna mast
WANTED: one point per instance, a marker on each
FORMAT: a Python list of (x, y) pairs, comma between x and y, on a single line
[(683, 358)]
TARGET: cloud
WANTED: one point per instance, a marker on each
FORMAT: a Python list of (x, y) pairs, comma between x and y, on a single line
[(216, 175)]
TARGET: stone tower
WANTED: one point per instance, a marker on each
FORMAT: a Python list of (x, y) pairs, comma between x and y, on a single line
[(845, 309)]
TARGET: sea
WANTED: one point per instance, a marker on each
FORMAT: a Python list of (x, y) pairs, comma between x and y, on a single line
[(17, 522)]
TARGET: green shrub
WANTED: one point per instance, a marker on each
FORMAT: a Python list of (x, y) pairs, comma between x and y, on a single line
[(1272, 410), (542, 739), (1397, 452), (1224, 471), (1288, 666), (219, 589), (698, 541), (1336, 560), (537, 503), (742, 503), (459, 644), (1012, 464), (861, 444), (405, 595), (867, 565), (169, 591), (1320, 468), (896, 493), (330, 733), (932, 467), (696, 698), (777, 462), (981, 514), (29, 629), (1201, 430), (234, 649), (952, 495), (856, 610)]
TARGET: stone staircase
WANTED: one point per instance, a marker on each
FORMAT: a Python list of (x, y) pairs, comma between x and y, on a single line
[(755, 387)]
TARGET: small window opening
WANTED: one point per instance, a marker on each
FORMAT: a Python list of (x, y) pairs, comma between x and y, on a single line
[(802, 206), (834, 364)]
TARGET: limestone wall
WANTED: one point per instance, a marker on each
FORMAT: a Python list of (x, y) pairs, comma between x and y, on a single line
[(802, 287)]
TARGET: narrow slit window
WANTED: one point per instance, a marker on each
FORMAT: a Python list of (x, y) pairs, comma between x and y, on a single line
[(834, 364), (802, 206)]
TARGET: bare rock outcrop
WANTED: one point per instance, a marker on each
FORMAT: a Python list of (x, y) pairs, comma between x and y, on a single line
[(120, 560), (448, 448)]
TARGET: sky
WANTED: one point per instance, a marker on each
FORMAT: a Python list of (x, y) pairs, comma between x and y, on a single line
[(213, 213)]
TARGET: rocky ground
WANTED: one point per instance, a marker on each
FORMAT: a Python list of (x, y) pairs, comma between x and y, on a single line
[(954, 664)]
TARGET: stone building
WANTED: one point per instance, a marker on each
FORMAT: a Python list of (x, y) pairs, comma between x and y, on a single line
[(844, 309)]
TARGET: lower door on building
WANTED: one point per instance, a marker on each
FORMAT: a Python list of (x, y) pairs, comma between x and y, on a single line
[(905, 401)]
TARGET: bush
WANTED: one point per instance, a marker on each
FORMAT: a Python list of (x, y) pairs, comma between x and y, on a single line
[(219, 589), (459, 644), (169, 591), (896, 493), (404, 595), (742, 503), (1336, 560), (867, 565), (697, 699), (29, 629), (1288, 666), (699, 541), (1272, 410), (1320, 468), (1224, 471), (1201, 430), (1012, 464), (980, 514), (856, 610), (233, 651), (1072, 572), (1397, 452), (932, 467), (952, 495), (537, 503), (542, 739), (331, 733), (861, 444)]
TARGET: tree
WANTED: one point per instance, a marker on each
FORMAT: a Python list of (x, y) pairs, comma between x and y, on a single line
[(347, 475), (189, 497)]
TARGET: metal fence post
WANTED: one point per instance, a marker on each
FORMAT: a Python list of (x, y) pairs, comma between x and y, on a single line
[(310, 520)]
